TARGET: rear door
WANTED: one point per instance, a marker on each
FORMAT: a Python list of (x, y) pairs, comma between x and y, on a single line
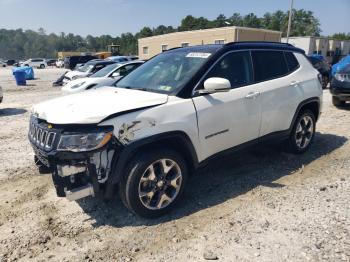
[(278, 83), (230, 118)]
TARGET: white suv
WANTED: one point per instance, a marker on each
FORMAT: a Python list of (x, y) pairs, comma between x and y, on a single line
[(35, 62), (171, 115)]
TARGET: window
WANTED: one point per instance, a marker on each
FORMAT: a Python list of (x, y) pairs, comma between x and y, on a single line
[(145, 50), (292, 62), (164, 48), (235, 67), (219, 42), (268, 65), (185, 44)]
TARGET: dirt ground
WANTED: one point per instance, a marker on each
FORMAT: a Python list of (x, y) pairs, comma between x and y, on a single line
[(261, 205)]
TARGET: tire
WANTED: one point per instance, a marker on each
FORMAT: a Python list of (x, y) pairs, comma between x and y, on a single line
[(160, 190), (303, 133), (42, 66), (324, 82), (337, 102)]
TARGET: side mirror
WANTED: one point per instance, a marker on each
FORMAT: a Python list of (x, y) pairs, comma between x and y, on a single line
[(215, 85)]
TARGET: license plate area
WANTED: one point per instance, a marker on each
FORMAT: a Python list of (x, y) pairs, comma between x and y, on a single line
[(42, 158)]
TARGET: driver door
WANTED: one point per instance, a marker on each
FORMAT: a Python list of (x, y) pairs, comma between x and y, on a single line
[(228, 119)]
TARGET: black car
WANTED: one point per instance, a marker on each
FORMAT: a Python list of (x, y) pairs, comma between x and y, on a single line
[(340, 87), (71, 61), (51, 62), (323, 67), (10, 62)]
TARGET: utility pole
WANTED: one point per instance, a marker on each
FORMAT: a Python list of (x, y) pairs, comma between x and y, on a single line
[(290, 19)]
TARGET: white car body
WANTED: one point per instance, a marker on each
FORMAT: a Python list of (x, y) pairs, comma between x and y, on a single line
[(60, 63), (73, 75), (35, 62), (215, 115), (2, 64), (108, 79)]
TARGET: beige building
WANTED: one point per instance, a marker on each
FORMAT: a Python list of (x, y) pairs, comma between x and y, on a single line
[(151, 46)]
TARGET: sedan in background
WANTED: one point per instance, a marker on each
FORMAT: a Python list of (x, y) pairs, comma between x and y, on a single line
[(86, 70), (107, 76), (323, 68), (2, 63)]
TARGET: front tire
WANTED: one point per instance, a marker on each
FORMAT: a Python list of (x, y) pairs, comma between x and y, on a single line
[(154, 182), (42, 66), (337, 102), (303, 132)]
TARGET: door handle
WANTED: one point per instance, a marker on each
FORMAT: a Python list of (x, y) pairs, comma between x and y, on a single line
[(252, 95), (294, 83)]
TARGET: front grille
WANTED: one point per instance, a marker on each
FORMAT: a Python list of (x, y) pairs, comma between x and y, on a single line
[(41, 137)]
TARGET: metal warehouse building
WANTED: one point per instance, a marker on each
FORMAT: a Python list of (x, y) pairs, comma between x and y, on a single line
[(151, 46)]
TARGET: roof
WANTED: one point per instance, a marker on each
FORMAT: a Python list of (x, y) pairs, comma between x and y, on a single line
[(238, 46), (100, 62)]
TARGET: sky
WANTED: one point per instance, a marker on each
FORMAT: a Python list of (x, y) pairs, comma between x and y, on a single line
[(98, 17)]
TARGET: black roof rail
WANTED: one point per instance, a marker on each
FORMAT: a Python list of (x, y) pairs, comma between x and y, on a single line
[(258, 42)]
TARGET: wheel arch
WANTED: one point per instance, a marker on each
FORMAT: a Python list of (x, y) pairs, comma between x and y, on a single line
[(176, 140), (313, 104)]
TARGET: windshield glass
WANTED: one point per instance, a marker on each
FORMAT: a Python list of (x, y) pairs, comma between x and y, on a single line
[(166, 73), (105, 71), (85, 68)]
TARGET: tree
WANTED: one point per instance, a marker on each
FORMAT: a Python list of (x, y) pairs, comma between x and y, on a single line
[(251, 20), (341, 36), (220, 21), (236, 20)]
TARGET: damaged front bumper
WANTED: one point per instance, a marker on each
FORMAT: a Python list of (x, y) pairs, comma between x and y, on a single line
[(75, 174)]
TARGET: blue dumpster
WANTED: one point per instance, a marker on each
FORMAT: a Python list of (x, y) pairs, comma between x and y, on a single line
[(29, 72), (20, 77)]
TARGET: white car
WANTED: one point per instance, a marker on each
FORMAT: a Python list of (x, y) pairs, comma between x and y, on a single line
[(2, 64), (119, 59), (105, 77), (86, 70), (35, 62), (60, 63), (173, 114)]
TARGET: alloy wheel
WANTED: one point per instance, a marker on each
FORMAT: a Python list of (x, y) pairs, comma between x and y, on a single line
[(160, 184), (304, 132)]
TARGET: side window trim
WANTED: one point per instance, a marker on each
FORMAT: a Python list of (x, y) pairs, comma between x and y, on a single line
[(201, 81), (289, 70)]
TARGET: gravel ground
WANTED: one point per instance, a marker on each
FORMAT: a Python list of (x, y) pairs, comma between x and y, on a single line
[(260, 205)]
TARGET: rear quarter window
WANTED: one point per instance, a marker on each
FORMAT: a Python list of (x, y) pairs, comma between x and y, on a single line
[(292, 62), (269, 65)]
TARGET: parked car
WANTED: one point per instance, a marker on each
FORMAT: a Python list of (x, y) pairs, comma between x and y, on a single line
[(173, 114), (104, 77), (87, 69), (35, 62), (51, 62), (119, 59), (10, 62), (71, 61), (60, 63), (323, 67), (3, 63), (340, 87)]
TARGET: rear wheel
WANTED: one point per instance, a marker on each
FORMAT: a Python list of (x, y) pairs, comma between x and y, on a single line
[(303, 132), (337, 102), (42, 66), (154, 182)]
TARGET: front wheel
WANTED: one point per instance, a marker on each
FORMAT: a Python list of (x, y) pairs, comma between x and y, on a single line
[(42, 66), (303, 132), (154, 182)]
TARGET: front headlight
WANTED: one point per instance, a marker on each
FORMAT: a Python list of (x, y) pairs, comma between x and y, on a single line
[(342, 77), (78, 85), (84, 142)]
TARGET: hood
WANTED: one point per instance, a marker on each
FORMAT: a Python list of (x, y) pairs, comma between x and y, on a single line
[(75, 73), (92, 106), (74, 82)]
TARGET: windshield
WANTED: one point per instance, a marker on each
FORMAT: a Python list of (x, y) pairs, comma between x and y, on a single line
[(85, 68), (165, 73), (105, 71)]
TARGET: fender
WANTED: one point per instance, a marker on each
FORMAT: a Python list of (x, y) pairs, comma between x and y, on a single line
[(301, 105), (128, 151)]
